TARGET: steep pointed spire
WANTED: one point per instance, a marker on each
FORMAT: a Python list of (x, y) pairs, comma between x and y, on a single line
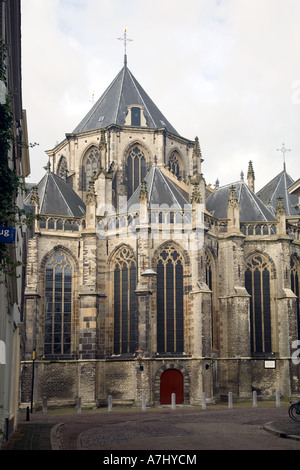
[(233, 211), (143, 193), (281, 217), (197, 157), (251, 177), (196, 195)]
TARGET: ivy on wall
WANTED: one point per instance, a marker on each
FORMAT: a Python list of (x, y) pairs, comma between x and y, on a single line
[(11, 184)]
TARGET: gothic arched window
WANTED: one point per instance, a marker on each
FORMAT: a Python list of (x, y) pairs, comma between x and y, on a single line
[(295, 286), (58, 305), (136, 169), (257, 282), (125, 309), (90, 166), (62, 168), (170, 327), (208, 271), (174, 165)]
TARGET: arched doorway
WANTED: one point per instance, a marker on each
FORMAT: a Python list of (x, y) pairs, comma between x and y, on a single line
[(171, 381)]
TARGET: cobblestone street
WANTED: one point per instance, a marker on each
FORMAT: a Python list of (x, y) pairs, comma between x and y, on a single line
[(185, 429)]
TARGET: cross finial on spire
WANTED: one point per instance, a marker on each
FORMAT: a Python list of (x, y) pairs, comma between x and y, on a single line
[(125, 39), (283, 150)]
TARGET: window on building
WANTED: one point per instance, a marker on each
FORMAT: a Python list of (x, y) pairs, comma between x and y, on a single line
[(257, 282), (136, 169), (295, 286), (125, 308), (135, 116), (62, 169), (58, 306), (174, 165), (91, 165), (170, 328), (208, 271)]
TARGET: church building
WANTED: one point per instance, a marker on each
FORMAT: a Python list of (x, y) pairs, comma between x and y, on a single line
[(143, 280)]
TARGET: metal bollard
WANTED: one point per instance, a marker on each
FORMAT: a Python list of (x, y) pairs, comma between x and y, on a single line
[(230, 403)]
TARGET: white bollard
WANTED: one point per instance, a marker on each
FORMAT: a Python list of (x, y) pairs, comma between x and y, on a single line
[(173, 401), (277, 393), (254, 399), (109, 402), (45, 405), (79, 405), (143, 402), (230, 403), (203, 401)]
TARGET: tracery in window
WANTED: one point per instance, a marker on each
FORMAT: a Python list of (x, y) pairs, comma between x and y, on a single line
[(174, 165), (170, 304), (257, 282), (136, 169), (62, 169), (58, 306), (295, 286), (125, 308), (91, 165)]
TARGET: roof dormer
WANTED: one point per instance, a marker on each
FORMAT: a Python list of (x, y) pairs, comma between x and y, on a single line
[(135, 116)]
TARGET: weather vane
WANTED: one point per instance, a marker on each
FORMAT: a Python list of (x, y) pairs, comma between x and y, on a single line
[(283, 150), (125, 39)]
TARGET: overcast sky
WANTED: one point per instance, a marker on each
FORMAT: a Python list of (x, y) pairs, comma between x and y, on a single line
[(227, 71)]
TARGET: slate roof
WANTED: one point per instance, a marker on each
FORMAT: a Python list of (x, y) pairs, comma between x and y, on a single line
[(252, 208), (161, 190), (56, 197), (111, 108), (278, 187)]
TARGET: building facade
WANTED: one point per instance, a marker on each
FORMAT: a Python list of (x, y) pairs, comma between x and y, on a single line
[(14, 164), (142, 280)]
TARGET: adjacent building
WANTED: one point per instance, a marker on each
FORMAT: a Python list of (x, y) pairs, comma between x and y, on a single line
[(13, 236)]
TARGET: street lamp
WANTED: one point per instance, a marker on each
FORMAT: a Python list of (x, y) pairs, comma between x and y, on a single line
[(139, 356)]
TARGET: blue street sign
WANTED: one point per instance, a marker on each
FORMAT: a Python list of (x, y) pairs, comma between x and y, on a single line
[(7, 234)]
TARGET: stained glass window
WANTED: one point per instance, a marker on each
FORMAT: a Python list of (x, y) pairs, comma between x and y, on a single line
[(136, 169), (257, 282), (91, 165), (295, 286), (170, 328), (125, 309), (62, 169), (174, 166), (58, 306)]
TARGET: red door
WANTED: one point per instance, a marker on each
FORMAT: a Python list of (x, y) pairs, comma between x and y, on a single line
[(171, 381)]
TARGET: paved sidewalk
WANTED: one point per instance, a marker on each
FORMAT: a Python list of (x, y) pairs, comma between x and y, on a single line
[(95, 430)]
